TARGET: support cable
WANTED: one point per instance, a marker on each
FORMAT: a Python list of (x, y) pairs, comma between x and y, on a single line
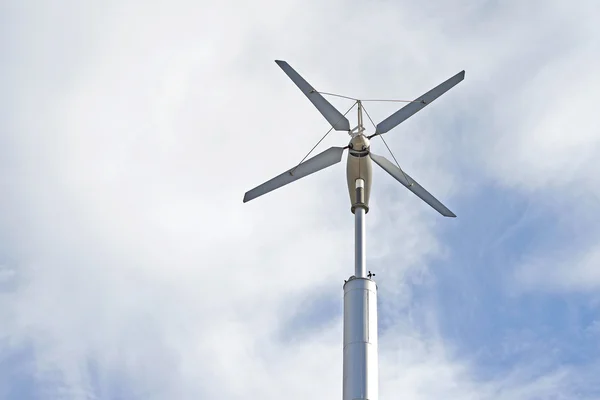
[(388, 147), (355, 99), (324, 136)]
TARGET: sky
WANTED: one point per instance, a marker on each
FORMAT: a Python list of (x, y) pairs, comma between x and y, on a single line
[(131, 269)]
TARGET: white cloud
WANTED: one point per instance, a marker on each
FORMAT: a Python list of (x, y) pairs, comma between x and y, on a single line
[(136, 129), (570, 271)]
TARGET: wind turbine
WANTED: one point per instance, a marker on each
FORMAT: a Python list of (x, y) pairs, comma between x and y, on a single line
[(360, 369)]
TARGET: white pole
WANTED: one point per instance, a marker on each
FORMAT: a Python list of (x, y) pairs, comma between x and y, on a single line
[(361, 377), (360, 256), (360, 121)]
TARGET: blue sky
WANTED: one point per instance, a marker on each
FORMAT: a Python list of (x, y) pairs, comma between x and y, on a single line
[(131, 269)]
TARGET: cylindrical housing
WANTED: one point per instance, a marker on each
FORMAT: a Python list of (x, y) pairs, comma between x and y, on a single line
[(361, 378), (359, 168)]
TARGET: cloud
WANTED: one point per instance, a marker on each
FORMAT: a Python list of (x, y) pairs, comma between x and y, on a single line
[(131, 268), (577, 271)]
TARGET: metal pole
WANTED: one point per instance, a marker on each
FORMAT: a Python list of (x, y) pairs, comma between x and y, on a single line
[(361, 375), (360, 256), (360, 121)]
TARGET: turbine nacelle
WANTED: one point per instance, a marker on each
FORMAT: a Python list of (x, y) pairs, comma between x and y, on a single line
[(359, 166)]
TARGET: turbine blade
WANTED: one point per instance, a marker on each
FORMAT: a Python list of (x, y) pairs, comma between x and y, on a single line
[(331, 114), (412, 108), (411, 185), (322, 160)]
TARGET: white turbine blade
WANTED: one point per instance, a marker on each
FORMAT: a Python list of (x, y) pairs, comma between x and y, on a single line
[(331, 114), (325, 159), (417, 105), (411, 185)]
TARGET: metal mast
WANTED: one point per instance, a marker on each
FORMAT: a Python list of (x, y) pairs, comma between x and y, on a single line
[(360, 373)]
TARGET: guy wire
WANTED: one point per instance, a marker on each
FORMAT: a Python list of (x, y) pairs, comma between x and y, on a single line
[(388, 147), (324, 136)]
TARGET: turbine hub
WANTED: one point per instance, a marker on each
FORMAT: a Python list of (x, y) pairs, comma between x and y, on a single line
[(359, 145)]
